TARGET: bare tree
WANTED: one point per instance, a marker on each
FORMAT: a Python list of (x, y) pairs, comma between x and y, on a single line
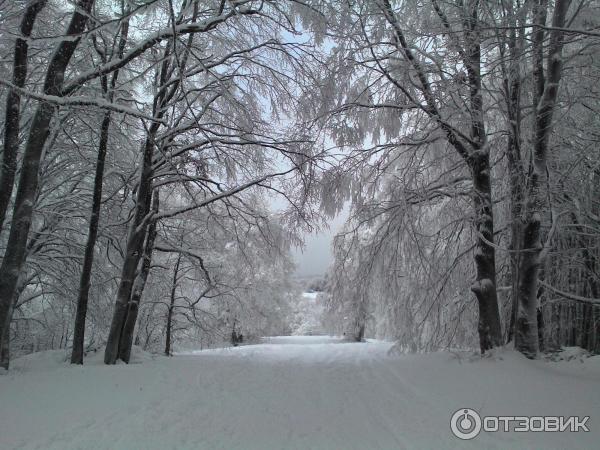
[(108, 90), (545, 99), (14, 256)]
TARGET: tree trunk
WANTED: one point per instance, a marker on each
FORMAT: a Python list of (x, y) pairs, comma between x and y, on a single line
[(516, 199), (14, 257), (139, 225), (5, 343), (512, 87), (357, 332), (171, 307), (489, 325), (476, 154), (12, 116), (168, 338), (88, 259), (135, 242), (526, 327), (360, 333), (126, 341)]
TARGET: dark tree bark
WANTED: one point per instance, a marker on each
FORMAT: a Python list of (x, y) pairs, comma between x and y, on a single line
[(172, 306), (88, 259), (137, 230), (5, 341), (135, 243), (5, 344), (12, 115), (126, 341), (478, 159), (489, 326), (512, 95), (526, 327), (14, 257)]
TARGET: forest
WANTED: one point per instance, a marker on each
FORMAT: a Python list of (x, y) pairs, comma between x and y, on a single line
[(164, 163), (161, 159)]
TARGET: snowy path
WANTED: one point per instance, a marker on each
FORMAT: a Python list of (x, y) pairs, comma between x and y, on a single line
[(290, 393)]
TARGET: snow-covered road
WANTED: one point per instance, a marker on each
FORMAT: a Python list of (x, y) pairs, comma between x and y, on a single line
[(290, 393)]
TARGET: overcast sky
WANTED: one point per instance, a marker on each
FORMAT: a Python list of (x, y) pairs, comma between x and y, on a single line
[(316, 256)]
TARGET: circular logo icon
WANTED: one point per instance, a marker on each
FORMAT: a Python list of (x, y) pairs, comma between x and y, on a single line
[(465, 423)]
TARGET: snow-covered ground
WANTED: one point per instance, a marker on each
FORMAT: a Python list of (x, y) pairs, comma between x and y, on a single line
[(290, 393)]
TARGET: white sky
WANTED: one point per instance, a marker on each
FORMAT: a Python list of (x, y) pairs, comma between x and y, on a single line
[(316, 256)]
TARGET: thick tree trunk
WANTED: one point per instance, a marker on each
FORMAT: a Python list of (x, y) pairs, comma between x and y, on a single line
[(126, 341), (135, 243), (360, 320), (489, 326), (14, 257), (134, 248), (5, 343), (12, 115), (88, 259), (526, 327)]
